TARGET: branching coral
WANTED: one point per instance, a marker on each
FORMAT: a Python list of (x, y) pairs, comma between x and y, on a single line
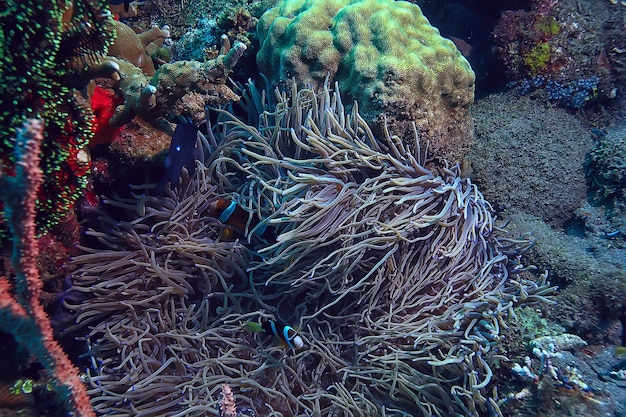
[(180, 88), (392, 274)]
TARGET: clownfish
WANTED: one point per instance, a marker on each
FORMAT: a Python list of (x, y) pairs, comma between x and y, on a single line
[(126, 3), (230, 214), (287, 335)]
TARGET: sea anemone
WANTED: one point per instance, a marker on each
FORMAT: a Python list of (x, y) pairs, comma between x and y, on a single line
[(392, 274)]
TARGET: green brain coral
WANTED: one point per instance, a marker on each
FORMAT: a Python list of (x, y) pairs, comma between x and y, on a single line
[(384, 53)]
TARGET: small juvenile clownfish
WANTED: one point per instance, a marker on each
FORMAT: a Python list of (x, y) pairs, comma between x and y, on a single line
[(230, 214), (287, 335)]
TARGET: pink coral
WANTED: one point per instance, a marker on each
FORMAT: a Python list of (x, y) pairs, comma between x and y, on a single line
[(227, 402), (21, 312)]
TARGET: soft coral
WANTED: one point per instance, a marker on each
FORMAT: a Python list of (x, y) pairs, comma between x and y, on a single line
[(103, 103)]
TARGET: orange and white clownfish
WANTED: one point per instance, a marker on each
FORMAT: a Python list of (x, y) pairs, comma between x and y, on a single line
[(287, 335), (230, 214), (126, 3)]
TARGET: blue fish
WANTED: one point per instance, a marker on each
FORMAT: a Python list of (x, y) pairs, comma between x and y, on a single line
[(180, 154)]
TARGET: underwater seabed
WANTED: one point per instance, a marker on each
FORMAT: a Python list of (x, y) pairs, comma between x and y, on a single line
[(408, 299), (303, 265), (371, 257), (407, 296), (555, 182)]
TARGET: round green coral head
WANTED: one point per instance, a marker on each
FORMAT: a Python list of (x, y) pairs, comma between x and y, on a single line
[(385, 55), (364, 44)]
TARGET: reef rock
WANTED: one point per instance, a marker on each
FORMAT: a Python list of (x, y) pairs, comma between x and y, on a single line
[(530, 157), (181, 88)]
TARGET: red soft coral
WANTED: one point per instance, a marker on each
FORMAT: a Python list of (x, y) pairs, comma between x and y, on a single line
[(103, 103)]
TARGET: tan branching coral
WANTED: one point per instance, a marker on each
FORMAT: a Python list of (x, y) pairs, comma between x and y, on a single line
[(182, 88), (134, 47), (392, 274), (190, 86)]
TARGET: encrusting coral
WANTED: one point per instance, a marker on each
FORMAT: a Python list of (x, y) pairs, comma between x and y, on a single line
[(385, 55), (534, 169), (392, 274)]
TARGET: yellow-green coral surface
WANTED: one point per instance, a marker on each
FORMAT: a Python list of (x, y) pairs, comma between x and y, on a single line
[(384, 53)]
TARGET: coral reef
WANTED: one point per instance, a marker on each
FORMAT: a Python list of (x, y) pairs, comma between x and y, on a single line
[(392, 274), (139, 141), (21, 311), (606, 164), (238, 24), (557, 382), (188, 86), (529, 157), (568, 51), (591, 302), (195, 27), (137, 48), (196, 43), (182, 88), (527, 41), (573, 94), (49, 50), (158, 96), (527, 324), (385, 55), (318, 256)]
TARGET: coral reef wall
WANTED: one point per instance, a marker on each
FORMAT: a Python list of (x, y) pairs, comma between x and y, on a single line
[(49, 50), (569, 52)]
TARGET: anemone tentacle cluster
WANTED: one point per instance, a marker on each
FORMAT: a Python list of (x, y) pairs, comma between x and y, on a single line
[(392, 274)]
